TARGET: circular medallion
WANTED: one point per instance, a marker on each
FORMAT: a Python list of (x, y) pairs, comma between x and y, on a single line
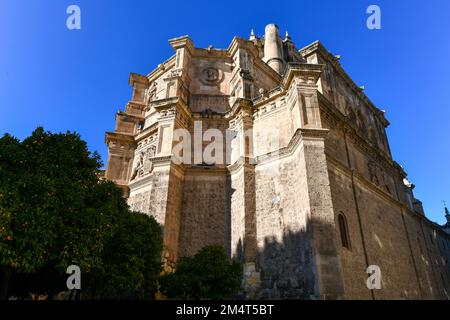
[(210, 76)]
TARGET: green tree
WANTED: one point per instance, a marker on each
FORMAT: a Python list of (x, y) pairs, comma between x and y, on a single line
[(207, 275), (54, 212), (131, 260)]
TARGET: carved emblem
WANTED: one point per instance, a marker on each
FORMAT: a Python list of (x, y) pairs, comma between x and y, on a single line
[(211, 76), (151, 92), (144, 165), (174, 73)]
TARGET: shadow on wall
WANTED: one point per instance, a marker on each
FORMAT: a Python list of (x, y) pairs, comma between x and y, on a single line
[(285, 266)]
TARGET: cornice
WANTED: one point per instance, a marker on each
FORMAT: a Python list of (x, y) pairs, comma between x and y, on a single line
[(205, 169), (239, 104), (162, 159), (136, 105), (307, 73), (260, 114), (299, 136), (328, 108), (272, 95), (241, 163), (182, 42), (317, 46), (121, 137), (141, 182), (135, 117), (164, 103), (382, 193), (137, 78), (161, 69), (147, 132), (211, 53)]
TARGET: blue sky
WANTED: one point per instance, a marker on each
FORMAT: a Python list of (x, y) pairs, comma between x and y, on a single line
[(77, 80)]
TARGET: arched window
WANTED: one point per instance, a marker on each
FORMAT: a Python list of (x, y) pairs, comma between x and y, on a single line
[(343, 230)]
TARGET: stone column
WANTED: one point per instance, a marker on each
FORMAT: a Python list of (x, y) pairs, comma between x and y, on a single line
[(273, 48)]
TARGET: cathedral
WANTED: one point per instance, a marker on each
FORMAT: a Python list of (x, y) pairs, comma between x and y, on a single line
[(274, 153)]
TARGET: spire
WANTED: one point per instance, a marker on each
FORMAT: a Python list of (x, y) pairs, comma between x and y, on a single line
[(447, 213), (252, 35), (287, 37)]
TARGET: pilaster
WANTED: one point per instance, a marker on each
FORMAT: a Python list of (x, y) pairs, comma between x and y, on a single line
[(321, 214)]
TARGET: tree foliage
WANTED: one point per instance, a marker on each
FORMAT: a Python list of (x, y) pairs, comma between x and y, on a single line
[(207, 275), (131, 259), (54, 212)]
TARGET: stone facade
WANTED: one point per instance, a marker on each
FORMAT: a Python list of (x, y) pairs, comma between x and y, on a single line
[(307, 195)]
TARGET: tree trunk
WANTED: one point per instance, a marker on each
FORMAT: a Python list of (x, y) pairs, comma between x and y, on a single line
[(5, 279)]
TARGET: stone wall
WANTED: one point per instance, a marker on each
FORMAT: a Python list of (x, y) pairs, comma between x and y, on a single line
[(285, 252), (383, 229), (204, 214)]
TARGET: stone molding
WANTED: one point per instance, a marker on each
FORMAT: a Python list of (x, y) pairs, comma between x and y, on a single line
[(337, 119), (137, 78), (307, 74), (337, 165), (123, 139), (300, 135), (317, 47)]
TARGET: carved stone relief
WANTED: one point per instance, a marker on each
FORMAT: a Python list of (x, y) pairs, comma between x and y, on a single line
[(151, 92), (211, 76), (144, 164)]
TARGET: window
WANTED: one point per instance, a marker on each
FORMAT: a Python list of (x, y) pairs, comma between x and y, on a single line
[(343, 230)]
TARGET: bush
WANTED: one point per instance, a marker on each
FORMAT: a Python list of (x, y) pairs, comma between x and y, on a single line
[(207, 275)]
